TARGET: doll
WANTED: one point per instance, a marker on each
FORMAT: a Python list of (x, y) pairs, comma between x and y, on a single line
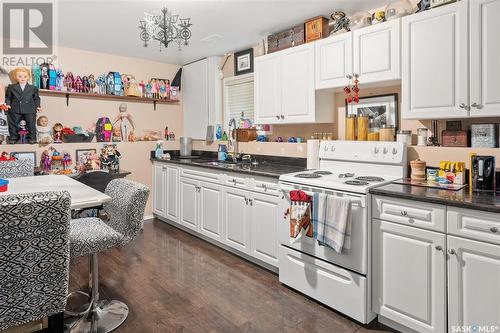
[(93, 162), (43, 130), (101, 84), (4, 127), (78, 84), (167, 95), (57, 132), (66, 160), (142, 88), (157, 89), (92, 84), (45, 162), (59, 80), (23, 132), (124, 120), (163, 89), (149, 88), (154, 89), (85, 84), (23, 102), (37, 75), (68, 81)]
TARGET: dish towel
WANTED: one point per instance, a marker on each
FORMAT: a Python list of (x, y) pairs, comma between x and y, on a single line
[(332, 221), (300, 216)]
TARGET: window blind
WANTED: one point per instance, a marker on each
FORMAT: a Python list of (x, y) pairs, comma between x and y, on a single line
[(238, 99)]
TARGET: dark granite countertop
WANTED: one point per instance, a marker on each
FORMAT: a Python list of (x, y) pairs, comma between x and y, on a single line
[(269, 166), (462, 198)]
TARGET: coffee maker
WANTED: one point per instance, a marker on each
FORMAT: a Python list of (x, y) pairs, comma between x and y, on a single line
[(483, 173)]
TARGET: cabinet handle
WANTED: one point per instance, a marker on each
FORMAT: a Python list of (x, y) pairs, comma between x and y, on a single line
[(464, 106), (476, 105), (451, 251), (404, 213), (246, 201), (251, 202), (234, 182), (494, 229), (282, 117), (439, 248), (278, 117)]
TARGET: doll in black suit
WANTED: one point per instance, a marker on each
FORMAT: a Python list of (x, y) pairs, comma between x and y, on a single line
[(23, 102)]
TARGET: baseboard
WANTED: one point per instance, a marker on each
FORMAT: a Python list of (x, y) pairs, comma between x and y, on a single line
[(392, 324), (149, 217)]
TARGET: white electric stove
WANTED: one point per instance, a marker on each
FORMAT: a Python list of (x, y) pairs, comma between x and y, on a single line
[(348, 169)]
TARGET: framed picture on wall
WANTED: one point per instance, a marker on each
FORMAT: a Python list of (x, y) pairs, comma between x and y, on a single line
[(82, 154), (382, 108), (26, 155), (243, 62)]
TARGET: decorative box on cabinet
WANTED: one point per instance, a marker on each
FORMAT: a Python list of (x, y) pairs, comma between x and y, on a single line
[(285, 89)]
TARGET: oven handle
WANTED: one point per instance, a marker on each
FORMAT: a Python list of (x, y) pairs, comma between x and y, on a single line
[(355, 201)]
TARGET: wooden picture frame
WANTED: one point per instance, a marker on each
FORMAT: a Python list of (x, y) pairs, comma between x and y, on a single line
[(243, 62), (80, 152)]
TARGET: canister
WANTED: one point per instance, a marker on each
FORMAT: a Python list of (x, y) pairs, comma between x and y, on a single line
[(350, 127), (404, 136), (387, 133), (362, 128), (422, 137)]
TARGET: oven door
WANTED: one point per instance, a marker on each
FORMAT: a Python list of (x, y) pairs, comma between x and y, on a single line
[(356, 257)]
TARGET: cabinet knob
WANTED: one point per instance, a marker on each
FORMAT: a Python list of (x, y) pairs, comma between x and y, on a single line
[(404, 213), (451, 251), (476, 105), (250, 201), (464, 106), (439, 248), (282, 117), (277, 117), (494, 229), (246, 201)]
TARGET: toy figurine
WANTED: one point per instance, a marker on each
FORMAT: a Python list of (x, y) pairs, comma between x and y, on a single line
[(142, 88), (44, 77), (163, 89), (93, 162), (4, 125), (43, 130), (23, 102), (57, 132), (154, 87), (92, 84), (85, 84), (124, 121), (167, 95), (110, 158), (157, 88), (149, 88), (78, 84), (69, 79), (59, 80), (66, 160), (37, 75), (45, 163), (23, 132)]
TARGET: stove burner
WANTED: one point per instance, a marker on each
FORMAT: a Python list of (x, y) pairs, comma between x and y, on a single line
[(370, 179), (356, 182), (346, 175), (322, 172), (308, 175)]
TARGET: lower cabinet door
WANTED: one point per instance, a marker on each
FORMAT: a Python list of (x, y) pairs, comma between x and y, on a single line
[(409, 275), (264, 218), (235, 217), (159, 189), (211, 210), (473, 285), (172, 194), (189, 203)]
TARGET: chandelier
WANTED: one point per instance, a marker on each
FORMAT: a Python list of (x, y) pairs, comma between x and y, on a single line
[(165, 28)]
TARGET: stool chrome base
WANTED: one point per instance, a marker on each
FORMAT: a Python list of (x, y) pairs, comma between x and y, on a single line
[(106, 317)]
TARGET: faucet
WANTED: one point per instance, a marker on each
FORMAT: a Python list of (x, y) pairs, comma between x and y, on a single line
[(233, 140)]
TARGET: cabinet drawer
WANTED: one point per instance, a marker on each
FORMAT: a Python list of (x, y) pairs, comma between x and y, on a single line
[(234, 180), (201, 174), (414, 213), (482, 226), (267, 187)]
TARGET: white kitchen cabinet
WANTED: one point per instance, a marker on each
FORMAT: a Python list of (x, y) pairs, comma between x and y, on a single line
[(285, 89), (267, 89), (409, 276), (333, 61), (265, 212), (189, 203), (236, 218), (201, 96), (435, 63), (159, 189), (211, 210), (473, 275), (171, 193), (376, 51), (484, 58)]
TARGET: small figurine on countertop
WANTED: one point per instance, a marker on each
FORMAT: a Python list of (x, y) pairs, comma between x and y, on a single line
[(45, 161), (124, 120), (57, 132), (66, 160), (37, 75), (110, 158), (23, 102), (59, 80), (43, 135), (69, 80)]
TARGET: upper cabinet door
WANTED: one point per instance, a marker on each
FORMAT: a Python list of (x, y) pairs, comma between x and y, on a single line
[(267, 89), (376, 52), (485, 55), (195, 99), (333, 61), (435, 63), (473, 275), (297, 84)]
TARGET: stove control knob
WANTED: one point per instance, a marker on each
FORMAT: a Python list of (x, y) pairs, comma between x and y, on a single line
[(332, 149), (394, 151), (375, 150), (386, 150), (326, 148)]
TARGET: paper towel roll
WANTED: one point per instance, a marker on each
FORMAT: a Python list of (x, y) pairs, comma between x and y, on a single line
[(312, 154)]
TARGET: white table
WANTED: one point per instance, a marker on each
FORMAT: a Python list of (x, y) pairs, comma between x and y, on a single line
[(82, 196)]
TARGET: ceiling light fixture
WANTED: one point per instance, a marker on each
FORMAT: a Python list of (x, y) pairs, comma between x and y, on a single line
[(165, 28)]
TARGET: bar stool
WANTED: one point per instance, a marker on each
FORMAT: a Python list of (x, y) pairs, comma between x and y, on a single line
[(89, 236)]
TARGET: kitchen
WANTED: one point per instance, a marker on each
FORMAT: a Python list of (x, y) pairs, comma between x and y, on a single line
[(339, 160)]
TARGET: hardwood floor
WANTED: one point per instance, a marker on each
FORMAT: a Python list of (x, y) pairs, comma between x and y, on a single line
[(175, 282)]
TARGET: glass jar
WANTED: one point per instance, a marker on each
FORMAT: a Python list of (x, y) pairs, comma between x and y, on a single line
[(398, 8), (362, 128), (360, 20), (422, 136), (404, 136), (350, 127), (373, 130), (387, 133)]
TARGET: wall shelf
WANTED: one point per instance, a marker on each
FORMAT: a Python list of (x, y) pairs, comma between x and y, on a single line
[(154, 101)]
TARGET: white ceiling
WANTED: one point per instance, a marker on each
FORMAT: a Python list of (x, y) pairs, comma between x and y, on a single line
[(111, 26)]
